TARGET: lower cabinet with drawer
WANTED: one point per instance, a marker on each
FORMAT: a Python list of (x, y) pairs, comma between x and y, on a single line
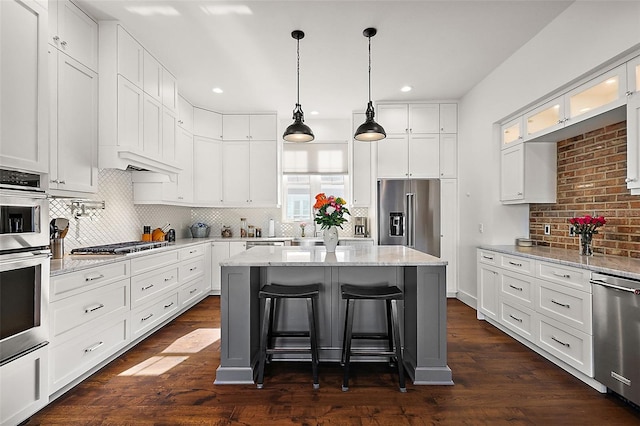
[(148, 316), (544, 304)]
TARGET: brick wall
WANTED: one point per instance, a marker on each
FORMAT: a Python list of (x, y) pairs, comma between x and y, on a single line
[(591, 180)]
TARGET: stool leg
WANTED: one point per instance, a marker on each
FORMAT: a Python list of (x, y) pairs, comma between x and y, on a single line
[(344, 333), (272, 326), (347, 348), (389, 331), (396, 335), (313, 336), (266, 326)]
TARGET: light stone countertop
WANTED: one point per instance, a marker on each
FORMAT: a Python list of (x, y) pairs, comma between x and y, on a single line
[(617, 265), (344, 256)]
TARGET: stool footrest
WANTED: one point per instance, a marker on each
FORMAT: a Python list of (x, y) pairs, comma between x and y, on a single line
[(371, 336), (271, 351), (372, 353), (290, 334)]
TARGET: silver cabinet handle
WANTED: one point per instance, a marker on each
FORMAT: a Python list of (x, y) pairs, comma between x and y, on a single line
[(487, 257), (627, 180), (56, 38), (93, 308), (169, 305), (516, 318), (193, 291), (94, 347), (64, 43), (561, 275), (515, 263), (168, 279), (629, 93), (93, 278), (193, 251), (62, 181), (515, 288), (147, 287), (193, 269), (566, 345), (564, 305), (147, 317), (519, 193)]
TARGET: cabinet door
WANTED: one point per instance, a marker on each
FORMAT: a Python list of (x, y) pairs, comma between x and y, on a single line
[(488, 290), (152, 127), (263, 127), (512, 173), (633, 143), (169, 134), (512, 132), (77, 126), (263, 176), (394, 118), (424, 156), (393, 152), (235, 127), (219, 251), (207, 123), (544, 119), (77, 34), (361, 173), (235, 173), (23, 84), (184, 158), (633, 75), (130, 58), (424, 118), (169, 91), (448, 155), (152, 84), (207, 171), (448, 118), (448, 234), (236, 247), (185, 114), (130, 114)]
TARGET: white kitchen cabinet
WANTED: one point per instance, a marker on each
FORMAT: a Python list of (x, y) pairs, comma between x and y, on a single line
[(221, 250), (24, 109), (207, 171), (130, 109), (207, 123), (361, 175), (448, 231), (185, 114), (528, 173), (448, 118), (488, 288), (130, 57), (633, 126), (169, 91), (151, 127), (393, 156), (169, 134), (238, 127), (448, 156), (512, 132), (409, 118), (235, 173), (152, 78), (544, 119), (184, 157), (74, 32), (409, 156), (73, 125), (24, 385)]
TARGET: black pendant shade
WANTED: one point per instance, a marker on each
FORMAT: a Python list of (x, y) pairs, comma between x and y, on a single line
[(298, 131), (370, 131)]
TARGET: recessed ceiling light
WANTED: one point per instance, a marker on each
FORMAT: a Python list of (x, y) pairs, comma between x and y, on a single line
[(217, 90), (314, 113), (406, 88)]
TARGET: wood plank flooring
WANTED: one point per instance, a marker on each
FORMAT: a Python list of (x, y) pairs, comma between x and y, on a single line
[(166, 381)]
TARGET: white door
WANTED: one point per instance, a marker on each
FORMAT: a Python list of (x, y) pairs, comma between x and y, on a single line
[(77, 34), (130, 58), (263, 127), (263, 185), (152, 82), (207, 171), (448, 118), (393, 153), (130, 114), (184, 158), (169, 134), (424, 118), (393, 118), (448, 155), (185, 114), (512, 173), (219, 251), (152, 127), (488, 288), (235, 173), (207, 123), (235, 127), (169, 91), (424, 156)]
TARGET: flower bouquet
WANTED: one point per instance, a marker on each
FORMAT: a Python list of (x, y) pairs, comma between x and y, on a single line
[(330, 211), (585, 227)]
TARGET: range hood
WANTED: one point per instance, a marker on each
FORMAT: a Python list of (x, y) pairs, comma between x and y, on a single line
[(126, 158)]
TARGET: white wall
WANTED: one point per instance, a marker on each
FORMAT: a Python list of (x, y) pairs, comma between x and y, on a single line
[(586, 35)]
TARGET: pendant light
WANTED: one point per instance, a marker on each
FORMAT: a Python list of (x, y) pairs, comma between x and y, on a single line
[(298, 131), (370, 131)]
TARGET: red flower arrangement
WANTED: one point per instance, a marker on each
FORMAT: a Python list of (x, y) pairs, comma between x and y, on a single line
[(330, 211), (586, 225)]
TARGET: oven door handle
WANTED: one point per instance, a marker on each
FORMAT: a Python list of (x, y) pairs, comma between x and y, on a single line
[(27, 255)]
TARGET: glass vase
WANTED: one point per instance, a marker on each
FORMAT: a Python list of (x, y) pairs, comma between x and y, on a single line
[(586, 249), (330, 237)]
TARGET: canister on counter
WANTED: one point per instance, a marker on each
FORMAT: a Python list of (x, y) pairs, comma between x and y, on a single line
[(251, 232), (258, 232), (243, 227)]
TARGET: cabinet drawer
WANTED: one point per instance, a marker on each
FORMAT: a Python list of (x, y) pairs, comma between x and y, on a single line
[(150, 263), (191, 269), (77, 282), (191, 252), (570, 345), (146, 317), (566, 305), (566, 275), (488, 257), (518, 288), (75, 356), (518, 318), (152, 284), (522, 265), (191, 291), (86, 307)]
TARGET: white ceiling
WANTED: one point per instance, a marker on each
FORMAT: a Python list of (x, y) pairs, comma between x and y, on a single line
[(441, 48)]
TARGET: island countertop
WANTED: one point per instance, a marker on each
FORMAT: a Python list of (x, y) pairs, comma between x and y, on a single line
[(343, 256)]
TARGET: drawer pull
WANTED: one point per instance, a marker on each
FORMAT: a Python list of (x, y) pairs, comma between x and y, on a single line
[(147, 287), (193, 291), (516, 318), (94, 347), (169, 305), (562, 275), (193, 251), (564, 305), (193, 269), (168, 279), (515, 288), (487, 257), (93, 278), (566, 345), (147, 317), (93, 308), (515, 263)]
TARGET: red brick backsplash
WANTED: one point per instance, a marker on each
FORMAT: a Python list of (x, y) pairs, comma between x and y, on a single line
[(591, 180)]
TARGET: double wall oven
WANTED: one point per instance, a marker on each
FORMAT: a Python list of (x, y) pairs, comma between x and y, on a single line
[(24, 264)]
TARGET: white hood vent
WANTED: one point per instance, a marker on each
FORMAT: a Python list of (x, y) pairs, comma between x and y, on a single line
[(125, 158)]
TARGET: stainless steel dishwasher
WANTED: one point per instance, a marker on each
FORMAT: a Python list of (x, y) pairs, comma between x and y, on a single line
[(616, 334)]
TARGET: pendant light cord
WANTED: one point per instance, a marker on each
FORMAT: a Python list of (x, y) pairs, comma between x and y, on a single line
[(298, 71), (369, 68)]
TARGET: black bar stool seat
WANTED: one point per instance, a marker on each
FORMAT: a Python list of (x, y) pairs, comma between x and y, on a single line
[(390, 294), (271, 293)]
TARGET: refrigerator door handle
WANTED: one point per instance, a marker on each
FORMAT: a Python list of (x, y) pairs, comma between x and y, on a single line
[(410, 225)]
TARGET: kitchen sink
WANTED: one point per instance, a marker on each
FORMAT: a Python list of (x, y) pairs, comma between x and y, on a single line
[(307, 241)]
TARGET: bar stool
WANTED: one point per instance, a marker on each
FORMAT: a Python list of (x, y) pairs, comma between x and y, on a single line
[(389, 294), (272, 293)]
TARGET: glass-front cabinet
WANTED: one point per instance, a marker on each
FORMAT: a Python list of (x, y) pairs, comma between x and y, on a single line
[(511, 132), (545, 118), (633, 75)]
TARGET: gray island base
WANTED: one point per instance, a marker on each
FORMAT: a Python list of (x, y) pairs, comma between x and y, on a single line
[(423, 311)]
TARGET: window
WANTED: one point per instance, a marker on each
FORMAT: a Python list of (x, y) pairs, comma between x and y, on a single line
[(299, 193)]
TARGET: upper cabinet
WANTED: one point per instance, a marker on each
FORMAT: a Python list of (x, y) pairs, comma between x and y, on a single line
[(152, 80), (236, 127), (207, 123), (73, 32), (23, 67), (633, 126), (511, 132), (448, 118), (130, 53), (528, 173), (185, 114), (544, 119)]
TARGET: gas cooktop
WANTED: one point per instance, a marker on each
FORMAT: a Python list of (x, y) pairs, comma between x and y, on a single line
[(120, 248)]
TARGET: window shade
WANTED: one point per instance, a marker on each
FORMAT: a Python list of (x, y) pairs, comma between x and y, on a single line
[(315, 158)]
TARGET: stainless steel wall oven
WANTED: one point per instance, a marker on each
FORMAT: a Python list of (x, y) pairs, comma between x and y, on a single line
[(24, 264)]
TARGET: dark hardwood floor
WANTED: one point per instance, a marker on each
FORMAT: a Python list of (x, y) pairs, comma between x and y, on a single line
[(166, 381)]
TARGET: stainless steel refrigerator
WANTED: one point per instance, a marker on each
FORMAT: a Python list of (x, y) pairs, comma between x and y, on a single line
[(409, 214)]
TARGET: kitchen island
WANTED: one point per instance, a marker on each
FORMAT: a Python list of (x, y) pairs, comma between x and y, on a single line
[(423, 311)]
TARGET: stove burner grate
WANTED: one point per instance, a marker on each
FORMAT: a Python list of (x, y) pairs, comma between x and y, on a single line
[(120, 248)]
